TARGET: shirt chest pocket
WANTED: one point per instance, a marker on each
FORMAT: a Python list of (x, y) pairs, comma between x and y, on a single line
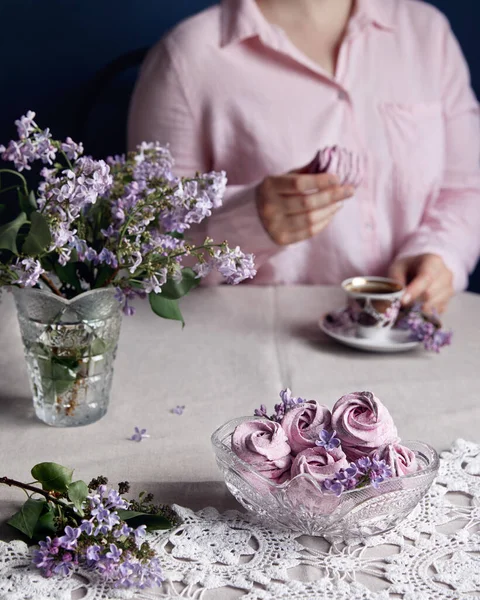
[(416, 141)]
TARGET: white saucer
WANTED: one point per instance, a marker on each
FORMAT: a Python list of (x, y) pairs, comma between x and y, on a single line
[(395, 340)]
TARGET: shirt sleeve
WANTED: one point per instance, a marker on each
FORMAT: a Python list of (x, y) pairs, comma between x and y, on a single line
[(450, 226), (162, 111)]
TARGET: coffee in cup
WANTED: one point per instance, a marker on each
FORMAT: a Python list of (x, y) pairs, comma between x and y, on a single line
[(373, 304)]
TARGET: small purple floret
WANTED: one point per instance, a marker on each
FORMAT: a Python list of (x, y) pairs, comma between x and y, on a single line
[(328, 440), (139, 435)]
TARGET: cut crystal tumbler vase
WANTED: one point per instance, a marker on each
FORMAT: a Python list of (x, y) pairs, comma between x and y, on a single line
[(70, 348)]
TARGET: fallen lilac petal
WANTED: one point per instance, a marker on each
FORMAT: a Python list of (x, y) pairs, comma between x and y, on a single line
[(139, 435)]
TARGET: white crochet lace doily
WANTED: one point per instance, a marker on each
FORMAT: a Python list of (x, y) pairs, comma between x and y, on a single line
[(433, 555)]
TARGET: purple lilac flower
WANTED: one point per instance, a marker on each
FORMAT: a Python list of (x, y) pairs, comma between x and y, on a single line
[(425, 329), (33, 144), (114, 501), (348, 477), (69, 540), (261, 412), (137, 258), (360, 473), (66, 564), (139, 435), (93, 553), (30, 149), (328, 440), (44, 150), (234, 265), (215, 185), (26, 125), (364, 464), (288, 401), (114, 554), (86, 527), (202, 269), (154, 282), (118, 159), (106, 257), (334, 486), (20, 153), (139, 534), (438, 340), (125, 295), (44, 558), (178, 410), (125, 530), (29, 271), (379, 472), (72, 150)]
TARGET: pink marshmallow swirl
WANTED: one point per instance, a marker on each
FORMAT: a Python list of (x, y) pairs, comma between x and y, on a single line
[(320, 463), (264, 445), (363, 424), (346, 165), (400, 459), (303, 424)]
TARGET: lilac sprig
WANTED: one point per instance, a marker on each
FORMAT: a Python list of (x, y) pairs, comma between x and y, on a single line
[(287, 403), (102, 543), (425, 329), (123, 218), (364, 471)]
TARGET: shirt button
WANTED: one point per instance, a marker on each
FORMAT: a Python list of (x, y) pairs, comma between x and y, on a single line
[(342, 95), (369, 226)]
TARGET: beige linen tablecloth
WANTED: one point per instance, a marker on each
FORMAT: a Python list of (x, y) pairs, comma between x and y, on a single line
[(239, 348)]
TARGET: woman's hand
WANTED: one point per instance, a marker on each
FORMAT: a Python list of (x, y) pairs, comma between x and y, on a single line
[(429, 281), (296, 206)]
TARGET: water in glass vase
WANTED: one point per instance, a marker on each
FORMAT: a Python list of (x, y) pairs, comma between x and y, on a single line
[(70, 348)]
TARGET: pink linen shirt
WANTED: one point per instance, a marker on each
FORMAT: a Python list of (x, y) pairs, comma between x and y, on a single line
[(229, 91)]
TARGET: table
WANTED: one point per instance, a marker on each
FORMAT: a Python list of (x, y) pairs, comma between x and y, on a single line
[(239, 348)]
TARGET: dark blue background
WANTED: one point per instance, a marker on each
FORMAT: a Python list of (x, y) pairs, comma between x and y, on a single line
[(51, 49)]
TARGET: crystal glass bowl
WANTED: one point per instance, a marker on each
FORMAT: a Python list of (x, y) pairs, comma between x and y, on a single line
[(301, 505)]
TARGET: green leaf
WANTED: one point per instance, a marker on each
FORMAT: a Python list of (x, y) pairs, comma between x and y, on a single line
[(77, 493), (70, 366), (9, 232), (153, 522), (173, 290), (52, 476), (39, 237), (165, 307), (104, 273), (63, 377), (68, 275), (27, 202), (26, 519), (45, 524)]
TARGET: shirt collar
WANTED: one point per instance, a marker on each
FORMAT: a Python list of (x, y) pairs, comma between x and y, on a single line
[(242, 19), (376, 12)]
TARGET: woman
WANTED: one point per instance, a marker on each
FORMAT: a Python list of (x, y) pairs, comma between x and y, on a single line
[(257, 87)]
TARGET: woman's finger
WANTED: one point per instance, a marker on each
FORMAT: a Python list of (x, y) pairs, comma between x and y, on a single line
[(417, 287), (295, 184), (288, 235), (300, 204), (308, 220), (436, 299)]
